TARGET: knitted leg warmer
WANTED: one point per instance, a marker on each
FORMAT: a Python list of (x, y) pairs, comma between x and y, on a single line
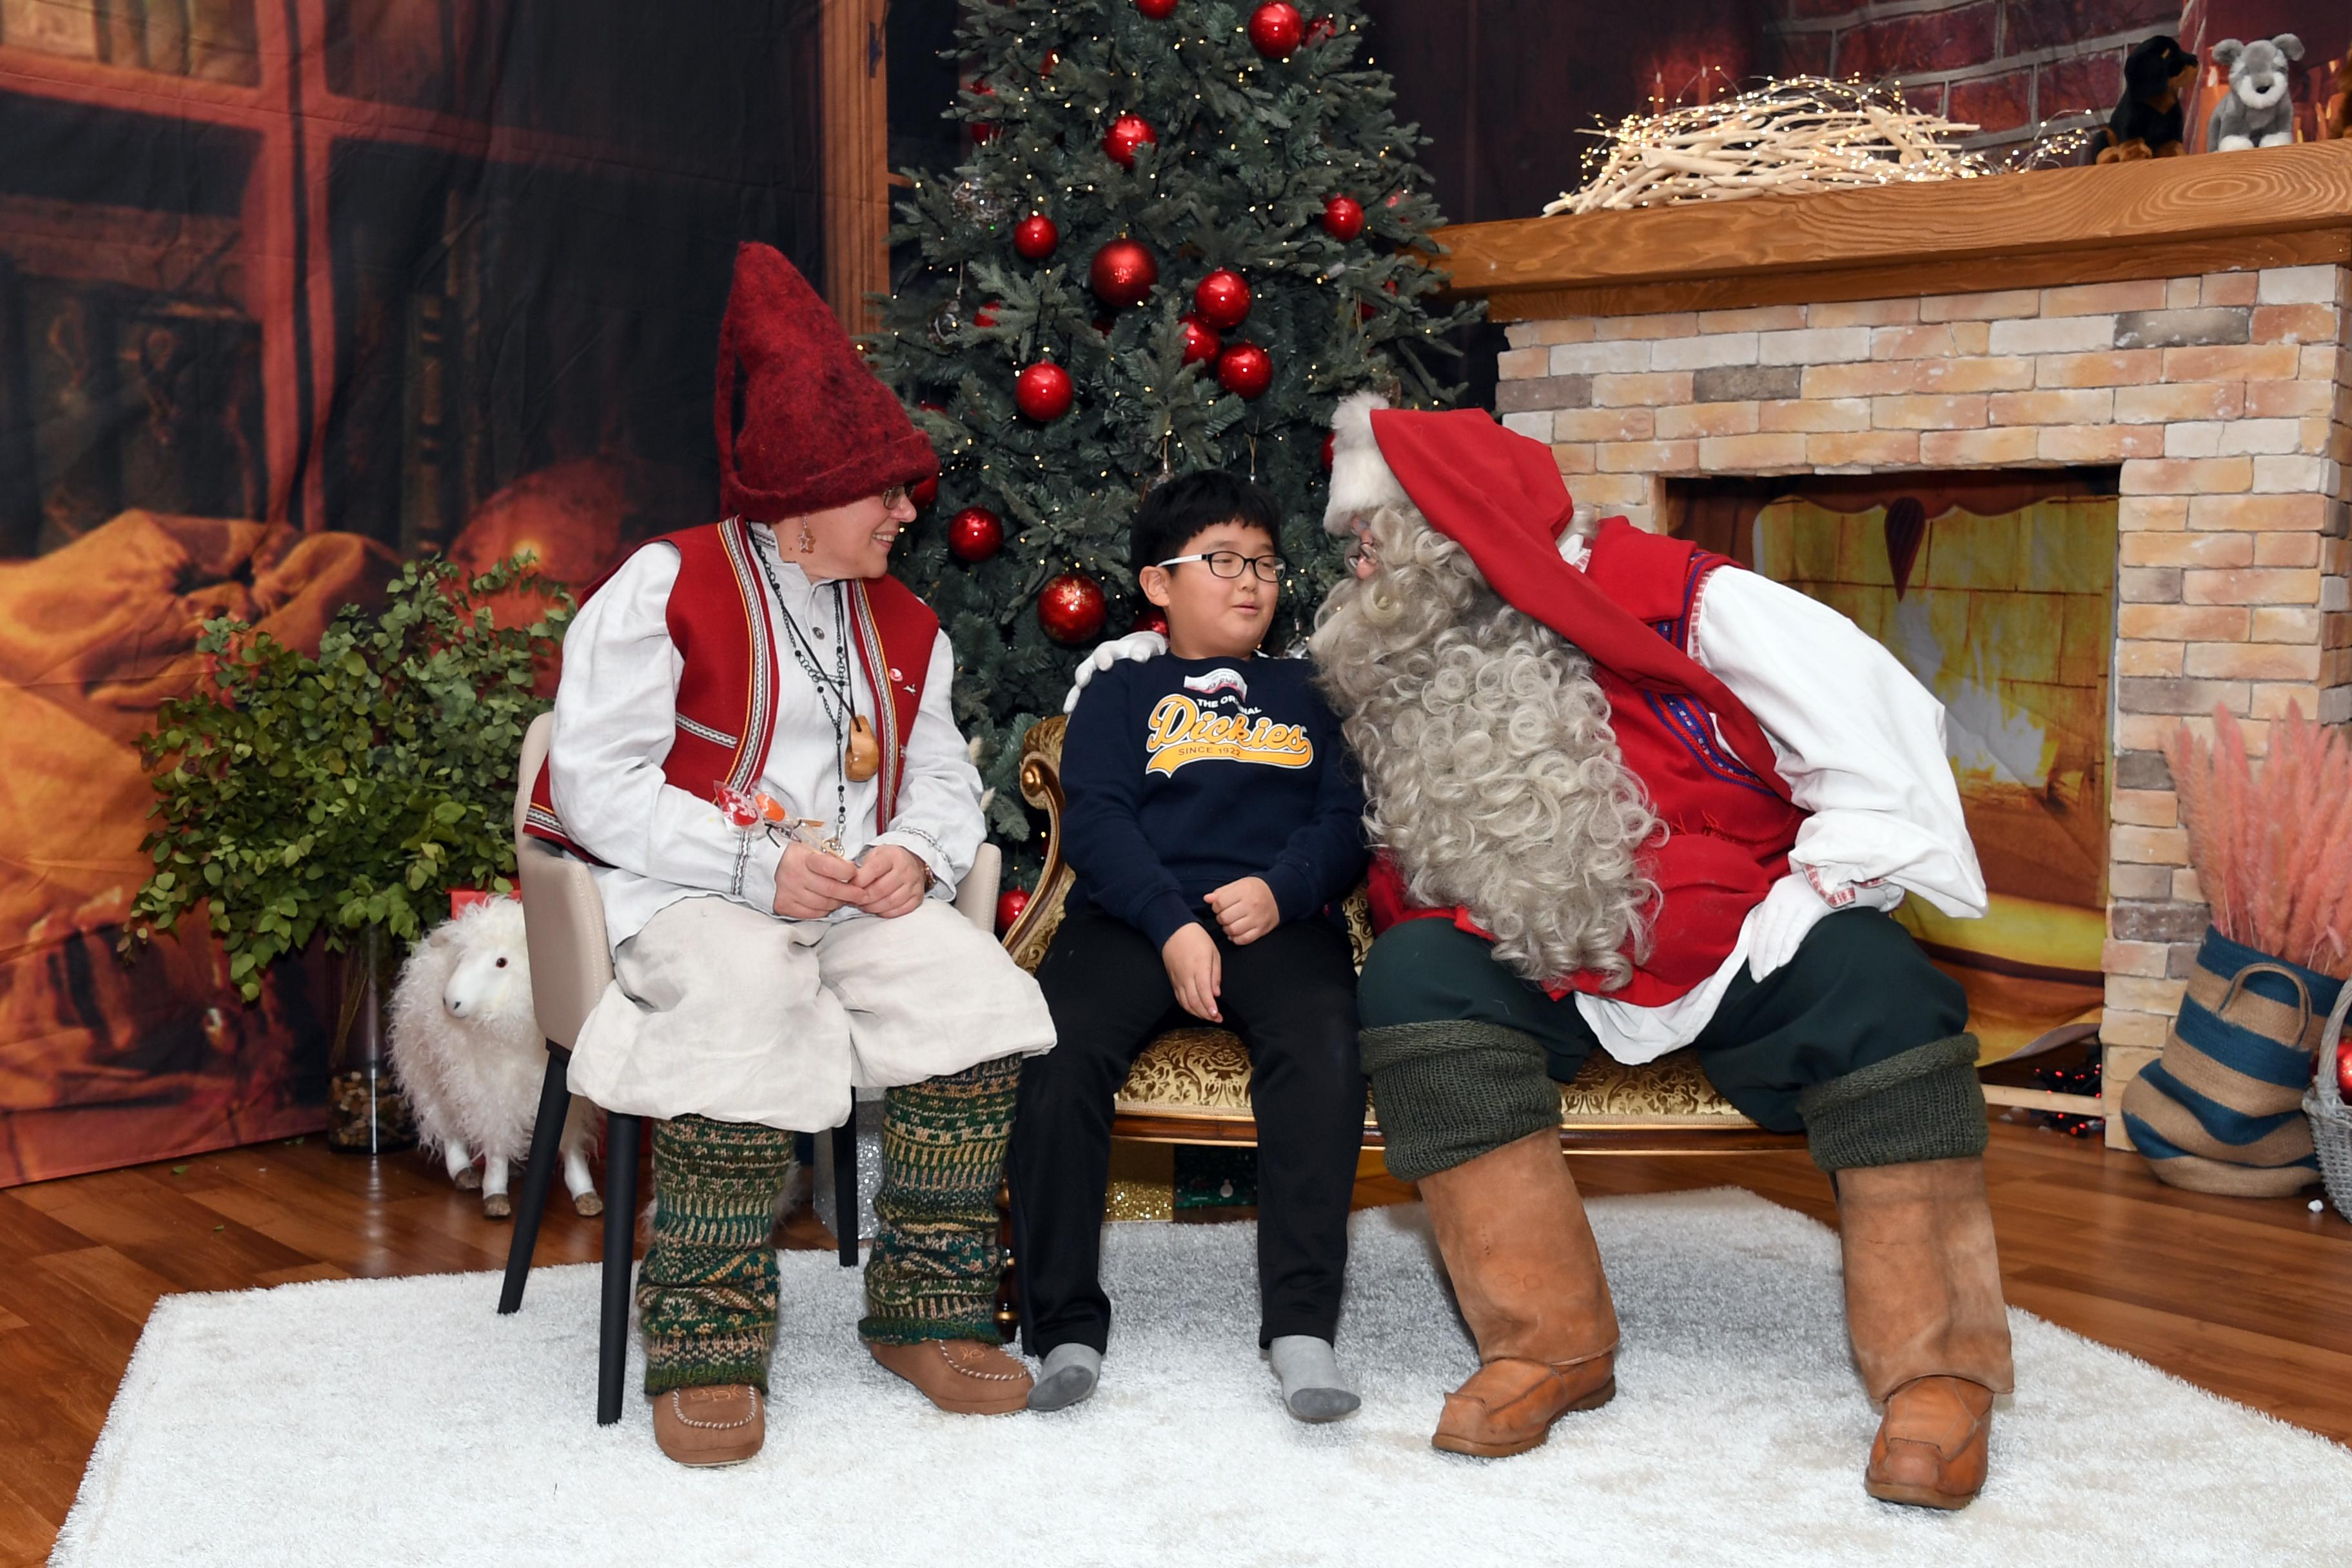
[(1448, 1092), (1923, 1104), (932, 1273), (706, 1289)]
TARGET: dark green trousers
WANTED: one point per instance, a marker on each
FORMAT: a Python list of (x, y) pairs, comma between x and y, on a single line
[(1812, 1034)]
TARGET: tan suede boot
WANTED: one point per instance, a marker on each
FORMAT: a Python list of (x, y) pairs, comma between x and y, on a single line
[(1931, 1331), (1513, 1232)]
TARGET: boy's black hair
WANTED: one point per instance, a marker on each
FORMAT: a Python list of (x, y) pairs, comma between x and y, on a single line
[(1178, 510)]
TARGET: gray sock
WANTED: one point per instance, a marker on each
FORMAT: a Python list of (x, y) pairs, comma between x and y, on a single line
[(1069, 1375), (1312, 1388)]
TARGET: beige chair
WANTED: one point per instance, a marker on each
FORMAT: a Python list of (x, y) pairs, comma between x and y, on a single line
[(1192, 1085), (571, 963)]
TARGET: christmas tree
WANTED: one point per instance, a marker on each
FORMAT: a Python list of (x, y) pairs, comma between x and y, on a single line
[(1184, 232)]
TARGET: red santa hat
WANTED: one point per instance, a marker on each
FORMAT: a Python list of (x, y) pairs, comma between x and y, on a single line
[(1499, 495), (816, 427)]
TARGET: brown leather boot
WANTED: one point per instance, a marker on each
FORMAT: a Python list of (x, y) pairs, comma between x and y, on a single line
[(1931, 1331), (1525, 1272), (721, 1424), (962, 1377)]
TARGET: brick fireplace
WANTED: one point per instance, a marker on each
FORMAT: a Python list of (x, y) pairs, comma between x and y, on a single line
[(2183, 330)]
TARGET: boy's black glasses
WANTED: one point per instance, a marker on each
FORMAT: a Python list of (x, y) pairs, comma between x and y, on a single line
[(1230, 563)]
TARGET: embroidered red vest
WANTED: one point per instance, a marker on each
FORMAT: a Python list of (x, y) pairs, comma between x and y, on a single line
[(1729, 831), (726, 693)]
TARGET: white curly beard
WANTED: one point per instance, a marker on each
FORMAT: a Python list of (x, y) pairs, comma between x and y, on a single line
[(1491, 774)]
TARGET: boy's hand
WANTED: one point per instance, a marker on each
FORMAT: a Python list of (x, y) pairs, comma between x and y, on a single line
[(1246, 909), (812, 884), (1196, 969)]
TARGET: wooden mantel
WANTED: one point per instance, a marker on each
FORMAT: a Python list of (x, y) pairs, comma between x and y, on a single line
[(2277, 206)]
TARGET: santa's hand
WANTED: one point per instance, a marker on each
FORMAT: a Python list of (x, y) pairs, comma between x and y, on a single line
[(1791, 909), (1136, 646)]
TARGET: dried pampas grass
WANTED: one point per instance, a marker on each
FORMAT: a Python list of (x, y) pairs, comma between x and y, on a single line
[(2273, 849)]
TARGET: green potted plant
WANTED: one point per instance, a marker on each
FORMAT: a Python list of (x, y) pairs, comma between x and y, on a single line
[(341, 797)]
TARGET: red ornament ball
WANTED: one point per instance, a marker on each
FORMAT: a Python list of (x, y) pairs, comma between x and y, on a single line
[(1277, 28), (1122, 274), (974, 535), (986, 315), (1157, 10), (1044, 392), (1246, 370), (1326, 451), (1072, 608), (1035, 236), (1322, 27), (1150, 619), (981, 130), (2343, 1069), (1128, 133), (923, 492), (1343, 218), (1009, 905), (1200, 343), (1223, 299)]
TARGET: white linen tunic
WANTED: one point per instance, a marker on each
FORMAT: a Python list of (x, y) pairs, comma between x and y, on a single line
[(1861, 743), (720, 1006)]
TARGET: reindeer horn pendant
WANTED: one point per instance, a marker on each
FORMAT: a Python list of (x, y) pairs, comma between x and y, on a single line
[(865, 756)]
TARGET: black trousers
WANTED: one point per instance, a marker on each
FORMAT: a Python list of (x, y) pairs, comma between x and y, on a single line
[(1291, 998)]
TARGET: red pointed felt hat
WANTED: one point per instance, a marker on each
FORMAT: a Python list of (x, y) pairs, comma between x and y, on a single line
[(802, 423), (1499, 494)]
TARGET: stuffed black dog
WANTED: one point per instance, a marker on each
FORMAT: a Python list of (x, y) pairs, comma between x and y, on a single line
[(2149, 121)]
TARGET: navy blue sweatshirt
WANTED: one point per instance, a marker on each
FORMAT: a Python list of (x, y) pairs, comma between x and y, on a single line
[(1183, 774)]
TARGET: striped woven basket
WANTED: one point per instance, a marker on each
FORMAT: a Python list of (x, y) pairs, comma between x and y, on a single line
[(2331, 1118), (2221, 1110)]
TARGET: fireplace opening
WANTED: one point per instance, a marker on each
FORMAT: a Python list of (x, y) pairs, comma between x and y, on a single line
[(1997, 590)]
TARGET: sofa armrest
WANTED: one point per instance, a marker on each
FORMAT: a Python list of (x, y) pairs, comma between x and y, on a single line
[(1041, 786)]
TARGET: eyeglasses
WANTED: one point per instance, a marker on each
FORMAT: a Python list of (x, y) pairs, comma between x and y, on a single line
[(893, 495), (1229, 563)]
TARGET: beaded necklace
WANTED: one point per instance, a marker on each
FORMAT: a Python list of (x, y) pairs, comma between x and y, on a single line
[(834, 691)]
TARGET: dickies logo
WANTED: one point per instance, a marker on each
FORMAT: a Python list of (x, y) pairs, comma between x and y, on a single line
[(1183, 732)]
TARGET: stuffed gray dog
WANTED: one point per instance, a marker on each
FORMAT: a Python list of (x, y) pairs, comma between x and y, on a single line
[(2257, 111)]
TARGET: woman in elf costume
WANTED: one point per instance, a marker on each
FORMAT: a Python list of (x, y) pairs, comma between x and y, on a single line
[(753, 745)]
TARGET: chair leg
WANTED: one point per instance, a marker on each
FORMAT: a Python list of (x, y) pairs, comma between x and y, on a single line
[(621, 1138), (844, 1186), (538, 1172)]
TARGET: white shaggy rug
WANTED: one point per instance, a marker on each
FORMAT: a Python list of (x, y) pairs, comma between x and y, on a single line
[(402, 1421)]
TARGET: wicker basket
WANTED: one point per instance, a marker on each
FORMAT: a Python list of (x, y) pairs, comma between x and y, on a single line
[(2331, 1119)]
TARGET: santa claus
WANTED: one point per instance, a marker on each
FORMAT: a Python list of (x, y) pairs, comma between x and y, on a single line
[(1629, 796)]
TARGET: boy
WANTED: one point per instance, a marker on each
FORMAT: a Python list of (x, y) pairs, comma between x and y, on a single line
[(1214, 822)]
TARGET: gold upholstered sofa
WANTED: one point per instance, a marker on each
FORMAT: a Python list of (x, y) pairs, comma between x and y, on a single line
[(1192, 1085)]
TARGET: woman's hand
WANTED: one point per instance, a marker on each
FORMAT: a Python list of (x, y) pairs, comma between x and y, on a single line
[(812, 884), (891, 881)]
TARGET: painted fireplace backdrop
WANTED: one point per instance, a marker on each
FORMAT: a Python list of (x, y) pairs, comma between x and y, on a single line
[(289, 290), (1997, 592)]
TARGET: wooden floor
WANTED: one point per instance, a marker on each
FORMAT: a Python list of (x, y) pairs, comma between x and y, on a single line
[(2247, 1298)]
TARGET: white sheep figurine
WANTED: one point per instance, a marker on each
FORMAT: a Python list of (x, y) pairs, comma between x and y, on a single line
[(467, 1047)]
